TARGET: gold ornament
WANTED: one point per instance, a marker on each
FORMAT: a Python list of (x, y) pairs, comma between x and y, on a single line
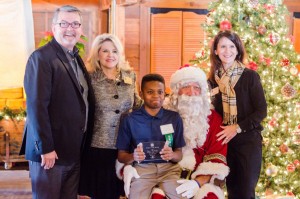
[(288, 91), (271, 170), (293, 70)]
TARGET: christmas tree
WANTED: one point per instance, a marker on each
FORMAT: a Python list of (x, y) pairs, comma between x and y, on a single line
[(262, 26)]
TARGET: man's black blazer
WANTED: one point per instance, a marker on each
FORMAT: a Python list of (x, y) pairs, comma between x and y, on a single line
[(55, 108)]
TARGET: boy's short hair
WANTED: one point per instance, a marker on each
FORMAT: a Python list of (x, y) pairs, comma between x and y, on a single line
[(152, 77)]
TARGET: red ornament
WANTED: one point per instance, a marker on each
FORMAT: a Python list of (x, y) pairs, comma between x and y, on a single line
[(269, 8), (285, 62), (283, 148), (297, 163), (262, 29), (269, 192), (290, 167), (252, 65), (273, 122), (225, 25), (289, 193)]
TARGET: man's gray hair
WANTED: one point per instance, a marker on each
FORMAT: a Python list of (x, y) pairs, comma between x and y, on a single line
[(66, 8)]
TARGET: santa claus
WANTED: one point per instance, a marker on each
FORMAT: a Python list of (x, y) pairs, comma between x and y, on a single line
[(204, 157)]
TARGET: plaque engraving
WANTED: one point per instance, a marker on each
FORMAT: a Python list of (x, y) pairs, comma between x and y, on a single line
[(151, 150)]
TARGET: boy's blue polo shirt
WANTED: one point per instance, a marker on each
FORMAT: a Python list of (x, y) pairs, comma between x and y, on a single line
[(138, 126)]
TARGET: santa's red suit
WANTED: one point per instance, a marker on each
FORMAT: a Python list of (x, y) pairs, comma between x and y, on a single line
[(209, 159)]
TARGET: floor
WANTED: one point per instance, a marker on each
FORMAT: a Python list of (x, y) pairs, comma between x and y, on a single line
[(14, 184)]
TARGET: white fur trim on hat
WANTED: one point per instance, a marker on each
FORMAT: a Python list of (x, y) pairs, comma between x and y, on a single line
[(209, 188), (218, 170), (187, 74)]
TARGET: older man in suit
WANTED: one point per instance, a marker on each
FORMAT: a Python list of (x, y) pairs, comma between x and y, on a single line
[(59, 110)]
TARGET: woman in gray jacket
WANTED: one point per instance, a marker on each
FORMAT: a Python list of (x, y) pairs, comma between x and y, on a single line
[(114, 85)]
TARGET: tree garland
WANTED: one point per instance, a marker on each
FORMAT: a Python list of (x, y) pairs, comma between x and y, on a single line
[(7, 113)]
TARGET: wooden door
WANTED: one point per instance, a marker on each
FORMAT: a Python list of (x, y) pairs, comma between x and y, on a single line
[(166, 43)]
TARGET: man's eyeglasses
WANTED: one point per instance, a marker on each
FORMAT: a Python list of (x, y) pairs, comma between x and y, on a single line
[(65, 24)]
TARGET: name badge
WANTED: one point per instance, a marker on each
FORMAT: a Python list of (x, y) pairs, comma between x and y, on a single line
[(167, 129), (214, 91), (127, 80)]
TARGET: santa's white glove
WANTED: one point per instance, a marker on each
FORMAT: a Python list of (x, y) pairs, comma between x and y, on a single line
[(188, 188), (129, 173)]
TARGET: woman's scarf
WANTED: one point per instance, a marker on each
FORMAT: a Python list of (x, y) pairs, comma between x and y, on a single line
[(226, 85)]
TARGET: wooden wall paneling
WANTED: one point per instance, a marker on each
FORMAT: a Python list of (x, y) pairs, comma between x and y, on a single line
[(166, 43), (144, 42), (120, 23), (193, 4), (41, 24), (68, 2), (132, 42), (192, 35), (103, 21), (296, 33)]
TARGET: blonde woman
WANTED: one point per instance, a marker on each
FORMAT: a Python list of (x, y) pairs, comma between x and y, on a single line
[(114, 85)]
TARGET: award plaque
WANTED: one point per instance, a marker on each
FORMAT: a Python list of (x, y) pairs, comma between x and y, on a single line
[(151, 150)]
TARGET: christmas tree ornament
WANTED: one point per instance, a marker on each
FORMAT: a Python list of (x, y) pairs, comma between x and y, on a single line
[(298, 108), (253, 3), (269, 192), (200, 53), (273, 123), (262, 29), (277, 115), (269, 8), (277, 2), (209, 20), (292, 39), (297, 163), (288, 91), (252, 65), (294, 71), (283, 148), (271, 170), (290, 193), (274, 38), (285, 62), (266, 141), (225, 25), (290, 167), (247, 20), (267, 61)]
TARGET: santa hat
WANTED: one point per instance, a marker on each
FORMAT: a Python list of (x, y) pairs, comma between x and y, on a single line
[(188, 74)]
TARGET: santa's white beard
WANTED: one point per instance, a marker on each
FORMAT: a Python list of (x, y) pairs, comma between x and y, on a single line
[(194, 111)]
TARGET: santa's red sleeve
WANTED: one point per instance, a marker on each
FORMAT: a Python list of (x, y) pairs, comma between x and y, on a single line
[(211, 160)]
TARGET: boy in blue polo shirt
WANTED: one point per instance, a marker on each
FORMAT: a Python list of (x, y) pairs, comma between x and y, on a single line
[(151, 139)]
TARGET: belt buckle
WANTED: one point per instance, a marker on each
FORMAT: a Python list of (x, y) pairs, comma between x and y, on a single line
[(185, 173)]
